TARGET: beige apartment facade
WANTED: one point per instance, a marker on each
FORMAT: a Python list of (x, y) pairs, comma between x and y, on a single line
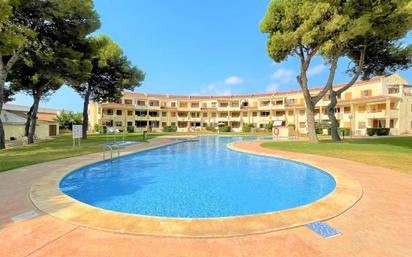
[(379, 102)]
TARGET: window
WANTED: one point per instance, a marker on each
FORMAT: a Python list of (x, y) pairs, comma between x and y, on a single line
[(118, 112), (128, 101), (244, 114), (366, 93), (173, 114), (129, 123), (173, 104), (153, 114), (153, 103), (348, 96), (224, 104), (254, 114), (264, 103), (141, 113), (164, 124), (361, 125), (195, 114), (302, 112), (140, 123), (204, 114), (393, 90), (291, 101), (302, 125), (109, 111), (361, 108), (129, 113), (173, 124), (164, 114), (118, 124), (140, 102), (194, 105), (264, 114), (346, 110), (290, 113), (213, 115), (109, 123), (213, 104), (392, 123), (183, 105), (204, 105)]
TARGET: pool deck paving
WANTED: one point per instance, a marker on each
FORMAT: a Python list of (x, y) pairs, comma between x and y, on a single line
[(379, 224)]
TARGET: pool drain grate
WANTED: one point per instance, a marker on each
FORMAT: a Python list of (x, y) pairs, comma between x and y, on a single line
[(25, 216), (323, 229)]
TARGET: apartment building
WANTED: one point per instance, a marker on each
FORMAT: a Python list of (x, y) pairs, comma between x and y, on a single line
[(378, 102)]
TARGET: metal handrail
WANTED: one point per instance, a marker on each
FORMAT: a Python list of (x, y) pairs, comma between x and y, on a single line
[(110, 147)]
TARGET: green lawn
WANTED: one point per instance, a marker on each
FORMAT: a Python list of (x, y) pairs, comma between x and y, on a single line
[(61, 147), (58, 148), (390, 152)]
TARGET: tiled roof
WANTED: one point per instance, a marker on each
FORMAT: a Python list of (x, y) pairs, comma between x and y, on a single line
[(271, 94)]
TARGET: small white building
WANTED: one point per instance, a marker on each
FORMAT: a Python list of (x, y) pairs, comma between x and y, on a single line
[(14, 119)]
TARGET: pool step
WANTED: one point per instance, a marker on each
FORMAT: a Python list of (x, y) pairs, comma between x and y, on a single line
[(323, 229)]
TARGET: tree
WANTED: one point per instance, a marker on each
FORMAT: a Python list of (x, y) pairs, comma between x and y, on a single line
[(67, 119), (333, 29), (375, 50), (111, 74), (303, 28), (43, 63), (13, 38)]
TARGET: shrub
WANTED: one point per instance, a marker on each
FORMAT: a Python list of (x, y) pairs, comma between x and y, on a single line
[(269, 126), (210, 128), (371, 131), (247, 127), (383, 131), (170, 129), (378, 131), (225, 129), (344, 131), (319, 127)]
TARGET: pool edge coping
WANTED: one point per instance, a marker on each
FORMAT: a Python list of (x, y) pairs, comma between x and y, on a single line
[(45, 194)]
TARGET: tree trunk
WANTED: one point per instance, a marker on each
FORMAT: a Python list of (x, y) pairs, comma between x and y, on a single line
[(33, 118), (310, 123), (85, 124), (27, 125), (2, 84), (332, 118)]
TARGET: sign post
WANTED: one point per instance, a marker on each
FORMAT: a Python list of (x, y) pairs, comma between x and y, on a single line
[(77, 134)]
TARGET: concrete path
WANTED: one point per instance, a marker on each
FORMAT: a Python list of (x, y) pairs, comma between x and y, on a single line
[(379, 224)]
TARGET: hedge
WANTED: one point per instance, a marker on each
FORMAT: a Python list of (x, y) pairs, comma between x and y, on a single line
[(225, 129), (247, 127), (170, 129), (378, 131)]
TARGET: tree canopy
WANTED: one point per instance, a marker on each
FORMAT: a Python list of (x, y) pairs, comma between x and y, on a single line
[(335, 29)]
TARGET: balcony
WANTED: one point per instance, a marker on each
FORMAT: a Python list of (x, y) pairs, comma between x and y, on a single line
[(394, 113), (376, 114)]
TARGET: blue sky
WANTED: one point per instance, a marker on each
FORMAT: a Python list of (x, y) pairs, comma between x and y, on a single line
[(196, 48)]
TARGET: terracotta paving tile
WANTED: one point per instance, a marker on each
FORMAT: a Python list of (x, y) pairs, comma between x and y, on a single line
[(378, 225)]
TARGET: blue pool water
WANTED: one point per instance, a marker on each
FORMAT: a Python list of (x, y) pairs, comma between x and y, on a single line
[(197, 180)]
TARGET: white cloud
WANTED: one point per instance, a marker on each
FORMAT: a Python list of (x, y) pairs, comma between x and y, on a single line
[(283, 76), (273, 87), (222, 87), (234, 80), (317, 69)]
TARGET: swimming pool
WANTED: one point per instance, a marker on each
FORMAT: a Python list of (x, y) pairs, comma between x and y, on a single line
[(201, 179)]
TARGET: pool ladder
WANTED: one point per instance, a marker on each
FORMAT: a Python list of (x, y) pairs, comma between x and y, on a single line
[(110, 148)]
